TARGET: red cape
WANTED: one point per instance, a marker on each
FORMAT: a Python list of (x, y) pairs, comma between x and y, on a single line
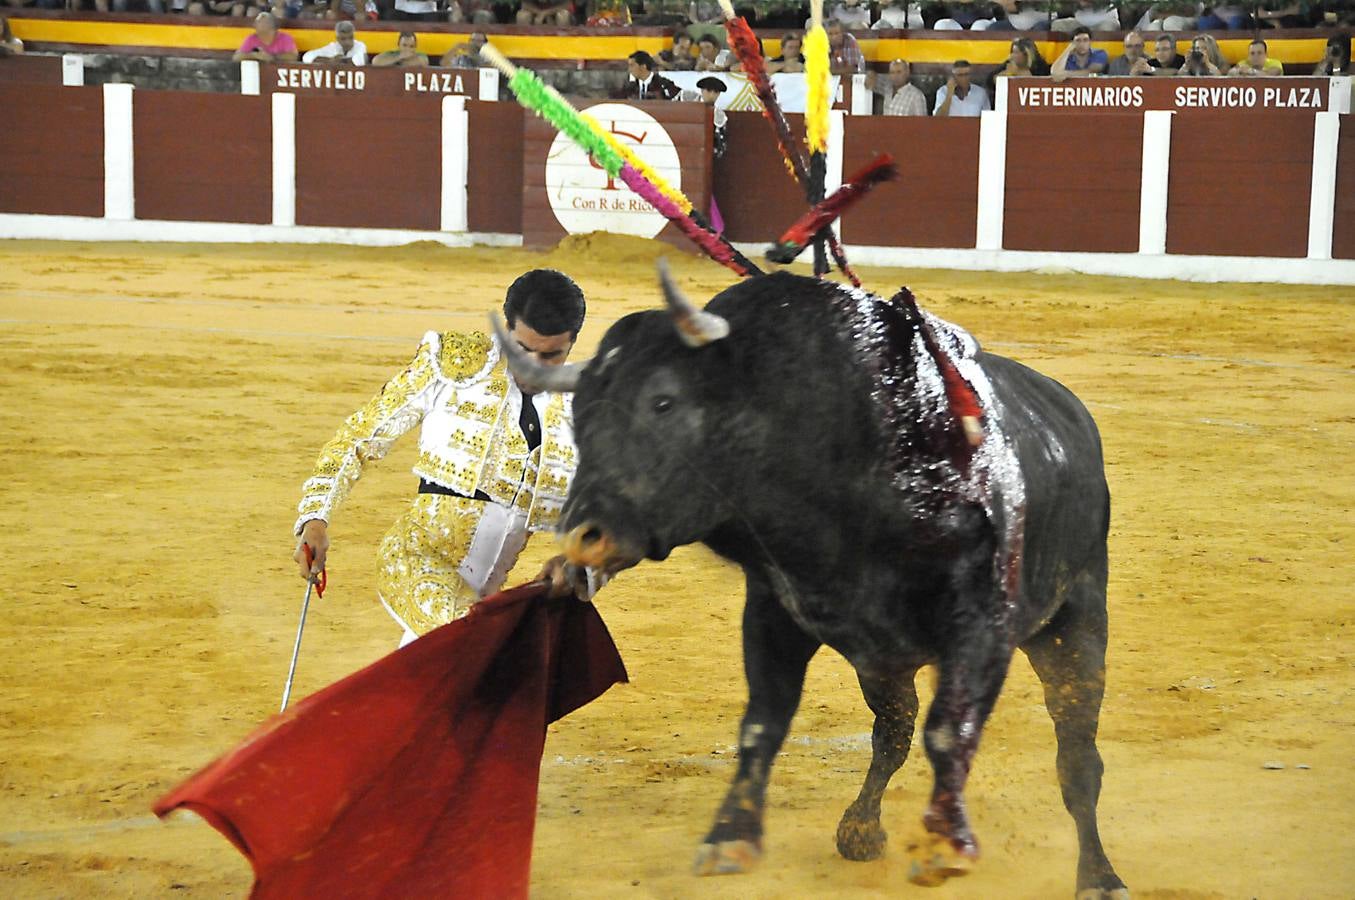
[(416, 776)]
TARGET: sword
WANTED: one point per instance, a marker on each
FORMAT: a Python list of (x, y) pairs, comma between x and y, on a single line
[(318, 585)]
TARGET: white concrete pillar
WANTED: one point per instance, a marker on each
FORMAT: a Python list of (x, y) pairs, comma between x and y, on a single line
[(863, 98), (489, 84), (832, 175), (249, 77), (1322, 199), (1339, 93), (992, 179), (119, 172), (455, 163), (284, 160), (1157, 151), (72, 70), (1000, 87)]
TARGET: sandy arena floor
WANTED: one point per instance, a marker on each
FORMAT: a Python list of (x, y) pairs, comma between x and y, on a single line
[(162, 405)]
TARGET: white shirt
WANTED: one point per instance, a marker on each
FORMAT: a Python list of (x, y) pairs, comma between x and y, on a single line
[(974, 102), (899, 17), (418, 7), (853, 18), (333, 50)]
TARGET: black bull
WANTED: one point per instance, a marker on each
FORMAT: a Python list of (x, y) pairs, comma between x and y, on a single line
[(801, 448)]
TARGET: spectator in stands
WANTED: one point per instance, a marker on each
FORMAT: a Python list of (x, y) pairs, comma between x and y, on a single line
[(705, 12), (1224, 16), (345, 49), (1079, 59), (976, 15), (1092, 15), (1170, 17), (1134, 61), (844, 53), (680, 57), (958, 97), (710, 57), (607, 14), (1166, 61), (544, 12), (416, 11), (901, 97), (267, 44), (1023, 15), (1210, 60), (1023, 60), (649, 85), (406, 53), (791, 59), (1300, 14), (1337, 60), (465, 55), (9, 44), (853, 15), (899, 14), (1258, 62), (476, 12)]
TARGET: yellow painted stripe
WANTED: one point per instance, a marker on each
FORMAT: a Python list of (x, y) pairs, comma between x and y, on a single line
[(598, 47)]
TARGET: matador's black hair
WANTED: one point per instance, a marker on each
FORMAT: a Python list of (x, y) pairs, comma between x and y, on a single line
[(547, 301)]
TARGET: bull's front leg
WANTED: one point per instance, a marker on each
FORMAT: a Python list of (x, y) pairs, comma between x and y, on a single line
[(976, 651), (776, 652)]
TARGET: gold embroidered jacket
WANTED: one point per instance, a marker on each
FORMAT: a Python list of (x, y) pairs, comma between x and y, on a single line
[(459, 389)]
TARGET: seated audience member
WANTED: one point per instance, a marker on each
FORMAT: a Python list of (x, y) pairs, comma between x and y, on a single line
[(901, 97), (705, 12), (681, 56), (465, 55), (976, 16), (791, 59), (1337, 59), (1166, 61), (344, 49), (1293, 15), (844, 53), (9, 44), (899, 14), (958, 97), (1023, 60), (1080, 59), (648, 84), (1023, 15), (1091, 14), (406, 53), (475, 12), (607, 14), (416, 11), (1170, 17), (1210, 61), (1134, 61), (544, 12), (710, 57), (267, 44), (1257, 62), (347, 10), (1224, 17), (853, 15)]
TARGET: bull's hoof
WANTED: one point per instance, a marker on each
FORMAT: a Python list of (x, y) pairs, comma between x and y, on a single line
[(1096, 893), (726, 858), (860, 841), (935, 860)]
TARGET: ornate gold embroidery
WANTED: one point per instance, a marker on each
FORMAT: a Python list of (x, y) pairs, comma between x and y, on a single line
[(420, 556), (463, 354)]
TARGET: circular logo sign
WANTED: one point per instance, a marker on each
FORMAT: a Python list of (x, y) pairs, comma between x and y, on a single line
[(585, 198)]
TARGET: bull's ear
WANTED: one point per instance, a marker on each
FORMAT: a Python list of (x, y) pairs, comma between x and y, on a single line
[(533, 376), (696, 327)]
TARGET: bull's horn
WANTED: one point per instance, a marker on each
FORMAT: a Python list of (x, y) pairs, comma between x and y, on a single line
[(533, 376), (696, 326)]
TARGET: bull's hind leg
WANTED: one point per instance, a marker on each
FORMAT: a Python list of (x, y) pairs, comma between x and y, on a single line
[(894, 701), (1069, 656), (776, 653)]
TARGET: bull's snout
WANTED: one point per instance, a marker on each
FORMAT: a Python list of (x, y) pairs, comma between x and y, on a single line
[(588, 545)]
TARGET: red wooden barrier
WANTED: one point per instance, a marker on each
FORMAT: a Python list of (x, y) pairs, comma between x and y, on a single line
[(52, 145)]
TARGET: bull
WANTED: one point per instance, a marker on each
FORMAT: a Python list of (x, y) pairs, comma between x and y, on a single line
[(803, 430)]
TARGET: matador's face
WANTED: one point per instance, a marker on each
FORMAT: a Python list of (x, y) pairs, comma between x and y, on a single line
[(549, 349)]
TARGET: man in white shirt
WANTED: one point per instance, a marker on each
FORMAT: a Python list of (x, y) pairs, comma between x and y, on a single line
[(344, 49), (957, 97), (901, 97)]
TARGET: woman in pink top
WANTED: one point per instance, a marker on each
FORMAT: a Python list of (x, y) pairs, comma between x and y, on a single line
[(267, 44)]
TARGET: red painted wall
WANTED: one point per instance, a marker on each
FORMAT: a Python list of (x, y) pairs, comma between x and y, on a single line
[(203, 157), (52, 148), (1343, 227), (362, 163), (494, 178)]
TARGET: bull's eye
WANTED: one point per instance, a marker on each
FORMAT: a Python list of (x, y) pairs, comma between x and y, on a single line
[(662, 404)]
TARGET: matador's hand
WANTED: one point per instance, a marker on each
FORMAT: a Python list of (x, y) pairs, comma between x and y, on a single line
[(314, 534)]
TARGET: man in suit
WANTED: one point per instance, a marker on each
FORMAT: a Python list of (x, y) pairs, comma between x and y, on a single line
[(647, 84)]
